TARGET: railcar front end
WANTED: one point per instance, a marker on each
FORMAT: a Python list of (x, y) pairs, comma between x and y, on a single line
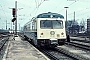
[(51, 32)]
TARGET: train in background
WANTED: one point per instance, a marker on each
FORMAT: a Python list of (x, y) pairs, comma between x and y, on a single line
[(46, 29), (2, 31)]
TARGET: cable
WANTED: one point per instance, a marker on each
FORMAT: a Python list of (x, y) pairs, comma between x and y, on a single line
[(36, 3), (36, 7), (68, 6), (81, 11), (72, 3), (39, 5)]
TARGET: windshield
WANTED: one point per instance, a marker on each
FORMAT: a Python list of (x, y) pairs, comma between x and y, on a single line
[(51, 24)]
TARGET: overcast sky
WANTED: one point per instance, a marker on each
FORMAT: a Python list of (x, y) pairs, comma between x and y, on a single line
[(32, 8)]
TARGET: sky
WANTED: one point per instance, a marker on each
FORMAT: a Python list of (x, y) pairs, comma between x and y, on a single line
[(27, 9)]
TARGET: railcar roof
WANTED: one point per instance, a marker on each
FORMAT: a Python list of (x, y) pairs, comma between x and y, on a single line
[(49, 14)]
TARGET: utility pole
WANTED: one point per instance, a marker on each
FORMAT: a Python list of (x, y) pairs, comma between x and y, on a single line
[(74, 16), (73, 23), (19, 26), (11, 25), (6, 24), (16, 18)]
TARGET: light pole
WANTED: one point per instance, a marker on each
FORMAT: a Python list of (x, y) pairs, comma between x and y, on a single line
[(66, 16), (19, 26)]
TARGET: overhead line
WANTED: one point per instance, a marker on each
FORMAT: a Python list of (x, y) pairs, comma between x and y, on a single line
[(80, 10), (36, 7), (67, 6), (36, 3), (71, 3)]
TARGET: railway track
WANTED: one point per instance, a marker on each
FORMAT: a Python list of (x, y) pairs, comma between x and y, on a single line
[(74, 51), (71, 51), (55, 54), (86, 40), (2, 42), (3, 45), (80, 45)]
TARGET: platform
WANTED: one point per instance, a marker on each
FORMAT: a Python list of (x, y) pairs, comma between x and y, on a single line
[(22, 50)]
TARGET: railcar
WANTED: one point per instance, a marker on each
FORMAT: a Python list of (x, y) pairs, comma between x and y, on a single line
[(46, 29)]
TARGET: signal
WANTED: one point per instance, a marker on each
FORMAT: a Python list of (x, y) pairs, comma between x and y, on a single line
[(13, 12), (13, 19)]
